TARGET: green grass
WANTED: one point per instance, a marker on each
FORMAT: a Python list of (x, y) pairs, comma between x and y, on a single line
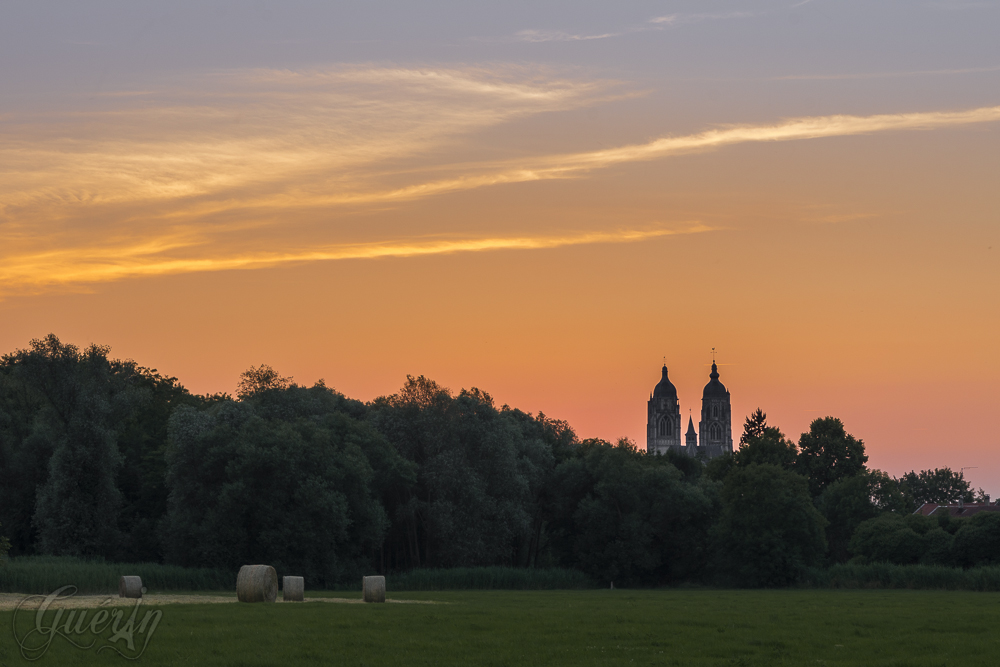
[(595, 627), (44, 574)]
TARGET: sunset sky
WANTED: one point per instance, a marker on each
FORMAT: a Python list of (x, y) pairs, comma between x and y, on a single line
[(540, 199)]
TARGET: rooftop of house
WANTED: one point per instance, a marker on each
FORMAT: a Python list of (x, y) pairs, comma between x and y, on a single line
[(961, 510)]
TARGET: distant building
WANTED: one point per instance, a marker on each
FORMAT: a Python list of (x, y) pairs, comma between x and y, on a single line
[(663, 420), (959, 511)]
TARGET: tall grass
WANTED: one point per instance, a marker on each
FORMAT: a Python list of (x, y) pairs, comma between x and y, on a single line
[(487, 578), (44, 574), (887, 575)]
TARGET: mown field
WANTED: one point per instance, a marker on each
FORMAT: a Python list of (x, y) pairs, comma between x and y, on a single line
[(603, 627)]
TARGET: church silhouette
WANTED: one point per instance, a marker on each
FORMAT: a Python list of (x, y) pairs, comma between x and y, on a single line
[(663, 422)]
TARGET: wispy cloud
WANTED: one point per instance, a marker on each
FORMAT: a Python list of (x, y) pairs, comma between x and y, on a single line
[(577, 164), (657, 23), (260, 129), (957, 5), (109, 263), (559, 36), (266, 168), (679, 19), (886, 75)]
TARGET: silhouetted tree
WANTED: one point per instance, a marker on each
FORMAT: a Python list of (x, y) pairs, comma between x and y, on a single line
[(769, 532), (627, 517), (258, 379), (4, 546), (754, 427), (300, 491), (827, 453), (905, 539), (848, 502), (770, 446), (472, 501), (941, 485), (80, 399)]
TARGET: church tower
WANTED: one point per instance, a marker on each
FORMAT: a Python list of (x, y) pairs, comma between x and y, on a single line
[(663, 418), (715, 432), (691, 438)]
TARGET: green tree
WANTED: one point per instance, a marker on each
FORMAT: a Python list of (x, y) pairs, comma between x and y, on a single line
[(472, 501), (940, 485), (717, 469), (4, 547), (299, 491), (80, 400), (977, 541), (903, 540), (769, 532), (630, 518), (848, 502), (258, 379), (754, 427), (828, 453), (769, 446)]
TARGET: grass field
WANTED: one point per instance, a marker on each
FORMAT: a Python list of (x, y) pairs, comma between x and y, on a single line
[(622, 627)]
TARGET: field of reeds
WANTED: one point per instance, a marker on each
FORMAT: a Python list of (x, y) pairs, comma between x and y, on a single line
[(916, 577), (44, 574), (489, 578)]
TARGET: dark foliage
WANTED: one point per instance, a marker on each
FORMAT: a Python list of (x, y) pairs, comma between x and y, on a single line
[(299, 491), (940, 485), (848, 502), (624, 516), (769, 533), (828, 453), (102, 458)]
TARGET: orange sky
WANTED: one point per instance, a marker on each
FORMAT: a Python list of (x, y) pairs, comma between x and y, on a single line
[(542, 222)]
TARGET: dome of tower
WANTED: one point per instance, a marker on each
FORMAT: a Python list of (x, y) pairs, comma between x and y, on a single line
[(665, 388), (714, 388)]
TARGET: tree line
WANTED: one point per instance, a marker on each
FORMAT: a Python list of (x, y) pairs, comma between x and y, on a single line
[(105, 458)]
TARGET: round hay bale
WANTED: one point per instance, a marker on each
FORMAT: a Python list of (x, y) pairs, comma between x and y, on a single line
[(130, 587), (374, 589), (257, 583), (293, 589)]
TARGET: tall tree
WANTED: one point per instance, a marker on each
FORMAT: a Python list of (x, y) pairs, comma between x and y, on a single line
[(769, 531), (258, 379), (848, 502), (627, 517), (940, 485), (293, 482), (828, 453), (769, 446), (472, 501), (754, 427), (84, 398)]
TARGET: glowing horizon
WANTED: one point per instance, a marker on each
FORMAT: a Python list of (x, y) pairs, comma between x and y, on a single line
[(539, 204)]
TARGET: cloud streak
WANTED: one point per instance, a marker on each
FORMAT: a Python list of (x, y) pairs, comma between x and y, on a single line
[(102, 264), (577, 164), (537, 36), (656, 23), (884, 75), (267, 168)]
